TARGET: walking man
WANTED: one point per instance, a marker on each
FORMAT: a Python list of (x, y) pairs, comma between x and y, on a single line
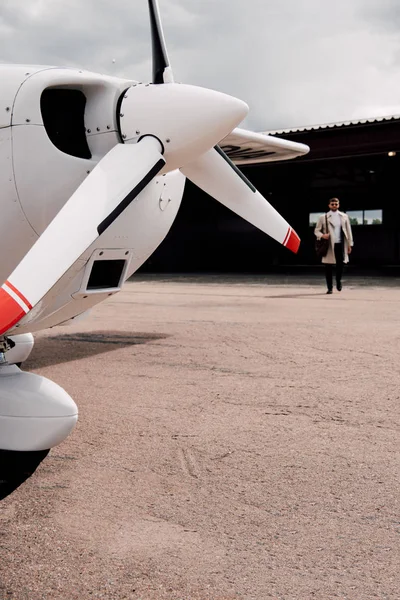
[(341, 242)]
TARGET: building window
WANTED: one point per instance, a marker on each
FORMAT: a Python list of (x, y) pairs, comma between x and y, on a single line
[(372, 217), (365, 217), (314, 219), (356, 217)]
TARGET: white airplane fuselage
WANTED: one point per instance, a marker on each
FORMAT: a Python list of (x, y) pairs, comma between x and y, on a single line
[(92, 174), (45, 156)]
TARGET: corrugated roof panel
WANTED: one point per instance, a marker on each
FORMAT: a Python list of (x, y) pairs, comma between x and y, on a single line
[(333, 125)]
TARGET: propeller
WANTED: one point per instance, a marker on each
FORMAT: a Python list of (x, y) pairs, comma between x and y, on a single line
[(112, 185), (163, 128), (216, 174), (162, 72), (212, 171)]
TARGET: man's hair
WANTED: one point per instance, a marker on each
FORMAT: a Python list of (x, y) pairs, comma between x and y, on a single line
[(333, 200)]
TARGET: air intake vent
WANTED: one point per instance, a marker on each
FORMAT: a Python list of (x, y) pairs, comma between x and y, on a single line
[(63, 112), (106, 274)]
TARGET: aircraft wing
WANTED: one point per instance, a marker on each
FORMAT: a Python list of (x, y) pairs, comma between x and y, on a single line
[(250, 148)]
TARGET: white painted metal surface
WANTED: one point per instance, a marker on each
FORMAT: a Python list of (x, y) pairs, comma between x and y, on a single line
[(250, 148), (45, 181), (23, 347), (213, 174), (188, 120), (35, 413), (16, 234), (102, 93), (50, 176), (138, 231), (75, 227), (12, 77)]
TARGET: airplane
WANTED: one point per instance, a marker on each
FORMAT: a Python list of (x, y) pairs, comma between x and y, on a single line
[(92, 174)]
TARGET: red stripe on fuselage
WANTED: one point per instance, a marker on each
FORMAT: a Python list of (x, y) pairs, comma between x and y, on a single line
[(10, 311), (21, 296)]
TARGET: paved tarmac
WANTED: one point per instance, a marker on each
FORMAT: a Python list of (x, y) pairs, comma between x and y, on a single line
[(238, 439)]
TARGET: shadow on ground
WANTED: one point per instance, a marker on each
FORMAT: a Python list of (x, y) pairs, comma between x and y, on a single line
[(62, 348), (301, 295), (15, 468)]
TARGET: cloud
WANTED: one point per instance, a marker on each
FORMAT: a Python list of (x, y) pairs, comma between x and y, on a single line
[(295, 62)]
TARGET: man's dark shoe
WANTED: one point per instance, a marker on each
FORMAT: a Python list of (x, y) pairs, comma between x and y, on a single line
[(339, 287), (329, 292)]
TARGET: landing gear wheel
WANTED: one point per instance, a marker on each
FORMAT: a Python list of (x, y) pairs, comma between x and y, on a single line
[(16, 467)]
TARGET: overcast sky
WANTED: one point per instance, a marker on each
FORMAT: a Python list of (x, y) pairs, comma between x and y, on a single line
[(295, 62)]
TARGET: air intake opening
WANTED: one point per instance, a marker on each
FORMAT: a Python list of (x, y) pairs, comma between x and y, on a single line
[(105, 274), (63, 113)]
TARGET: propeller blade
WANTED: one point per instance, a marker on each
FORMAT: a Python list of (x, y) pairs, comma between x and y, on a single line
[(215, 173), (112, 185), (162, 72)]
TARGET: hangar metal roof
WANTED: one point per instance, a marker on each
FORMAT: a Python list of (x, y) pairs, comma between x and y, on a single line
[(337, 125)]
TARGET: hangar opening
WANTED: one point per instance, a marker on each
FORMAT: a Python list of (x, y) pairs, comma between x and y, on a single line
[(358, 162)]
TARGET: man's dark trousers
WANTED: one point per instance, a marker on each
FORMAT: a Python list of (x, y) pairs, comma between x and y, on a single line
[(339, 257)]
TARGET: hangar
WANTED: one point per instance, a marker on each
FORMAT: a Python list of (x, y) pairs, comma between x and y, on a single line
[(357, 161)]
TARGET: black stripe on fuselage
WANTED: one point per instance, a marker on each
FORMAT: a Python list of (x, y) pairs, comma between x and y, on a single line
[(234, 167), (131, 196)]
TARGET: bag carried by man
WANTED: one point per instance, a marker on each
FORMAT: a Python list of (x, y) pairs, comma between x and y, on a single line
[(322, 245)]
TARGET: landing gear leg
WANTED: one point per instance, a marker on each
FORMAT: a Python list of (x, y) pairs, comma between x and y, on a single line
[(16, 348), (6, 344)]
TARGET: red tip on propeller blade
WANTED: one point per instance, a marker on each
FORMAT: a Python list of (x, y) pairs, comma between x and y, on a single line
[(292, 241)]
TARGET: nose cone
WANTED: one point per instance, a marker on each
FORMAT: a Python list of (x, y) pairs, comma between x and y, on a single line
[(187, 120)]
